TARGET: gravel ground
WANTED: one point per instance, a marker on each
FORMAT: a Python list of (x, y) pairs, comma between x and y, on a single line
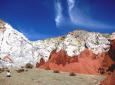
[(46, 77)]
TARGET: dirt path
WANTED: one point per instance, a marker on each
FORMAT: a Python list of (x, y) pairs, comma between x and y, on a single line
[(45, 77)]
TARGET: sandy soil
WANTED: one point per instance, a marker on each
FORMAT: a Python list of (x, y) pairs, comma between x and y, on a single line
[(46, 77)]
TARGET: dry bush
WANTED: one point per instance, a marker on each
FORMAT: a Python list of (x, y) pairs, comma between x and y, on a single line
[(6, 68), (56, 71), (20, 70), (47, 68), (72, 74), (22, 66), (2, 70), (26, 70), (29, 65)]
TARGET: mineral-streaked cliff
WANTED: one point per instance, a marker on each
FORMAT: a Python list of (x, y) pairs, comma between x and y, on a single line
[(110, 80), (16, 50), (86, 62)]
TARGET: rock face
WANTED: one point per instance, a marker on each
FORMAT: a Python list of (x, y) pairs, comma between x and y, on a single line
[(94, 54), (78, 51), (110, 80), (87, 62), (112, 49), (15, 48)]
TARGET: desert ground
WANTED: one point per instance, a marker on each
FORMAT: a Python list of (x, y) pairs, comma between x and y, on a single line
[(37, 76)]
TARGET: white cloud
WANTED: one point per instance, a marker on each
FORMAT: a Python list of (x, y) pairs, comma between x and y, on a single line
[(78, 18), (71, 4), (59, 15)]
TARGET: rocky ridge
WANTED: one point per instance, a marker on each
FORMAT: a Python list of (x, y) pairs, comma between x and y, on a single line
[(16, 50)]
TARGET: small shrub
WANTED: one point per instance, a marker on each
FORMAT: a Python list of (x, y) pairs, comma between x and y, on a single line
[(22, 66), (20, 70), (47, 68), (29, 65), (62, 38), (1, 70), (56, 71), (72, 74), (26, 70), (5, 68)]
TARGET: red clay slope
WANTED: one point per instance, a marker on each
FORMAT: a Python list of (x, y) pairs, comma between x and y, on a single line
[(86, 63), (110, 80)]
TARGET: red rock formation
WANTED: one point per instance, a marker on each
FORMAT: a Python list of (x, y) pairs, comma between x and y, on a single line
[(112, 50), (57, 59), (42, 62), (87, 62), (61, 57), (110, 80)]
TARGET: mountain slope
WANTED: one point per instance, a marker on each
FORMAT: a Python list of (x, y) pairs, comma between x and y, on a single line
[(67, 53), (15, 48)]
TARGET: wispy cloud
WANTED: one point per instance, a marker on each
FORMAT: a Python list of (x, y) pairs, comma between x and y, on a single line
[(76, 16), (79, 18), (71, 4), (59, 15)]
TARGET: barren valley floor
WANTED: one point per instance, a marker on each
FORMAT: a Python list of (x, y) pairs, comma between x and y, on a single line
[(47, 77)]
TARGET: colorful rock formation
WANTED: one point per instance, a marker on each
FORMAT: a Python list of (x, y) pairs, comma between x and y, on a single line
[(110, 80), (79, 51), (86, 62)]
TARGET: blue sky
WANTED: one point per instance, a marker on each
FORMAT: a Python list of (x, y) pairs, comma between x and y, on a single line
[(40, 19)]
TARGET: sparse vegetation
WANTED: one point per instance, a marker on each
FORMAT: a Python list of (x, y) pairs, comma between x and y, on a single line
[(22, 66), (97, 42), (72, 74), (20, 70), (36, 76), (62, 38), (2, 70), (47, 68), (106, 35), (29, 66), (56, 71)]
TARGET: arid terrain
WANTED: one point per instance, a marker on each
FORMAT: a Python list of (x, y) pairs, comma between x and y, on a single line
[(89, 54), (47, 77)]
